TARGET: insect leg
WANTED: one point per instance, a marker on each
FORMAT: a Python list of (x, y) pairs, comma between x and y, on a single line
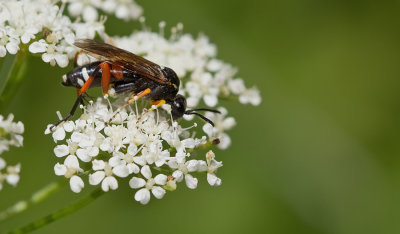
[(155, 105), (105, 76), (71, 113), (131, 100)]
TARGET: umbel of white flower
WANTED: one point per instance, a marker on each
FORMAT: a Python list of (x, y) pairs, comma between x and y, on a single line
[(134, 145), (203, 76), (10, 135), (23, 23)]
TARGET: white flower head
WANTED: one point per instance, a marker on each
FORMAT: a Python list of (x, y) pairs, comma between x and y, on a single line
[(148, 184), (222, 124), (116, 140), (10, 135)]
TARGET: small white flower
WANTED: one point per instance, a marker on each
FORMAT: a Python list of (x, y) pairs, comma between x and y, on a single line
[(10, 133), (70, 169), (9, 41), (212, 167), (222, 124), (105, 172), (76, 184), (183, 170), (143, 195), (250, 96)]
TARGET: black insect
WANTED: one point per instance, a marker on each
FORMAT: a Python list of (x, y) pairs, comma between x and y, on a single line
[(127, 72)]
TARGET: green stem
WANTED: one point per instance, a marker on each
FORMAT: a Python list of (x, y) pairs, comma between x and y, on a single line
[(60, 213), (36, 197), (14, 77)]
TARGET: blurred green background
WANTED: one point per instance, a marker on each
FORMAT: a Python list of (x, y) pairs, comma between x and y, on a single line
[(319, 155)]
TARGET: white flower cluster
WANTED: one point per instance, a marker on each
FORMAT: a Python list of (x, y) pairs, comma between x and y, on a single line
[(204, 77), (10, 135), (122, 9), (146, 147), (41, 26)]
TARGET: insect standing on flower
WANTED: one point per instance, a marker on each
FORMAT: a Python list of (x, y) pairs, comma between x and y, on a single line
[(127, 73)]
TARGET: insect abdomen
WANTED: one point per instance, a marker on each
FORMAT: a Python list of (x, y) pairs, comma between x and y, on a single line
[(79, 75)]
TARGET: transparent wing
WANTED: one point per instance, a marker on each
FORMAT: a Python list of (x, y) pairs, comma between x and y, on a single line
[(128, 60)]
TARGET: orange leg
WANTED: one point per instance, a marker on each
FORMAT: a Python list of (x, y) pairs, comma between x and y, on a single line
[(137, 96), (105, 76), (157, 104), (86, 86)]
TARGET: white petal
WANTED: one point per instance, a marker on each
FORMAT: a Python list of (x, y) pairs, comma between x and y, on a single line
[(59, 134), (136, 182), (161, 179), (192, 165), (189, 143), (202, 166), (62, 60), (60, 169), (228, 123), (61, 150), (213, 180), (2, 163), (224, 141), (158, 192), (76, 184), (146, 172), (38, 47), (98, 165), (115, 161), (106, 146), (72, 162), (191, 182), (210, 100), (133, 168), (208, 129), (69, 126), (97, 177), (93, 151), (83, 155), (89, 14), (12, 179), (12, 48), (132, 149), (47, 57), (140, 160), (122, 12), (142, 196), (77, 137), (121, 171), (178, 175), (3, 51), (109, 183)]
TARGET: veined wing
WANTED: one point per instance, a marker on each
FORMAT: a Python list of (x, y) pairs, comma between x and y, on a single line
[(128, 60)]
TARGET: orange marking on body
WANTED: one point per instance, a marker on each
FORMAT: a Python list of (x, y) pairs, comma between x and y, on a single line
[(105, 76), (86, 86), (117, 71)]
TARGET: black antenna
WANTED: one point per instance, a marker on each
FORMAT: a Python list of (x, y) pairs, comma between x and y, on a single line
[(193, 112), (205, 109), (201, 116)]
